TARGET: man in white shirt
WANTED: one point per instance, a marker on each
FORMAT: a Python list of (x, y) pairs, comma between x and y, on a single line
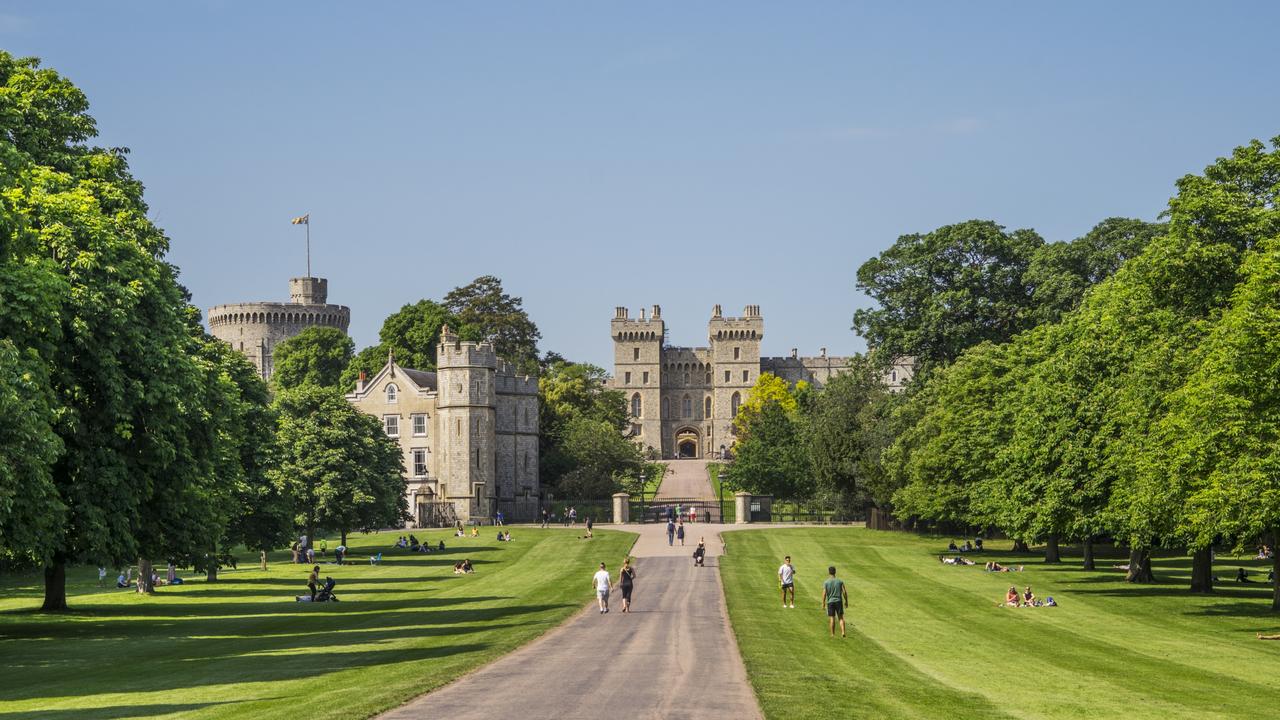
[(787, 579), (600, 581)]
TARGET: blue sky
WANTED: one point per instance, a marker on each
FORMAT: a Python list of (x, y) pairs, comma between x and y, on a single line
[(602, 154)]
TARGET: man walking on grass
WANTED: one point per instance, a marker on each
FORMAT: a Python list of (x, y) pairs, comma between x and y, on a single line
[(601, 582), (787, 580), (835, 596)]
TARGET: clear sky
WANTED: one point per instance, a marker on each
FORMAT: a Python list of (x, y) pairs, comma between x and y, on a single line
[(600, 154)]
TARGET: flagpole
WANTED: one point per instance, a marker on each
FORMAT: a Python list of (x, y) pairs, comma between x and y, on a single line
[(308, 245)]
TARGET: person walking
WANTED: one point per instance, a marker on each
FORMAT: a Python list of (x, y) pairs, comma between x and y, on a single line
[(601, 582), (626, 583), (787, 580), (680, 533), (324, 547), (313, 582), (671, 532), (544, 518), (836, 597)]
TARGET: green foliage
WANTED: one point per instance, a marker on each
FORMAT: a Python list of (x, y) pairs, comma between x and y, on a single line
[(30, 510), (316, 356), (944, 291), (411, 334), (486, 312), (769, 388), (847, 431), (583, 452), (770, 458), (337, 463), (1061, 272)]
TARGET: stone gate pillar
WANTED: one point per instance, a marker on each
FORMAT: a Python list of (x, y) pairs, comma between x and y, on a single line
[(621, 508), (742, 508)]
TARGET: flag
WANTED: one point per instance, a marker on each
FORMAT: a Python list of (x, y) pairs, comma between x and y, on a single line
[(304, 220)]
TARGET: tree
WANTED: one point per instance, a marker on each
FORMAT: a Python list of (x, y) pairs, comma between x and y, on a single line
[(846, 433), (770, 458), (597, 459), (769, 388), (1061, 272), (117, 353), (485, 310), (411, 335), (575, 456), (947, 290), (316, 356), (343, 471)]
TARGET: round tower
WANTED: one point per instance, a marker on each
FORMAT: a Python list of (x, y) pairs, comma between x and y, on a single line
[(255, 328)]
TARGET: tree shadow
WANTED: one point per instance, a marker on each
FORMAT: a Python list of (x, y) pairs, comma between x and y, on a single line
[(115, 712)]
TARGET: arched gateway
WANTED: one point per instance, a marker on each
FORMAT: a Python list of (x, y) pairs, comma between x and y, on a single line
[(687, 443)]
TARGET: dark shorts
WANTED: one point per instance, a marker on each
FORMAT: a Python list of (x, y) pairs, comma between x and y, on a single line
[(788, 586), (626, 591), (835, 609)]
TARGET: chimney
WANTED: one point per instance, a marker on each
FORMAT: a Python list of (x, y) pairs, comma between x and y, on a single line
[(360, 383), (795, 353), (619, 313), (715, 311), (642, 314), (822, 352), (657, 311)]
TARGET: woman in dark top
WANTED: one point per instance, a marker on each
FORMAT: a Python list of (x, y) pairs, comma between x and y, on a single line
[(626, 580)]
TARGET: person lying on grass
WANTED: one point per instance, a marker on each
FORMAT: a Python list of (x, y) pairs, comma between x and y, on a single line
[(994, 566), (1273, 636), (955, 560)]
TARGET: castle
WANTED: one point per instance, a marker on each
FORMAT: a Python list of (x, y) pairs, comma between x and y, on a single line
[(468, 431), (682, 400), (255, 328)]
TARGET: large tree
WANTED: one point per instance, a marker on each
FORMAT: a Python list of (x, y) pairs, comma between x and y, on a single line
[(771, 458), (411, 335), (1061, 272), (582, 450), (316, 356), (941, 292), (488, 312), (846, 432), (343, 471)]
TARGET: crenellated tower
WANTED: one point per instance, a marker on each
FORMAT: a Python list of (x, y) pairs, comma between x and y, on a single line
[(465, 408), (735, 357), (637, 362)]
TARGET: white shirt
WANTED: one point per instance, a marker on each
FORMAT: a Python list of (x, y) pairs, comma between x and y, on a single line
[(787, 573), (602, 581)]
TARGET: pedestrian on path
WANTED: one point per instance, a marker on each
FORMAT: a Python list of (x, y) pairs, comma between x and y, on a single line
[(544, 518), (835, 596), (680, 533), (626, 582), (601, 582), (787, 580), (671, 532)]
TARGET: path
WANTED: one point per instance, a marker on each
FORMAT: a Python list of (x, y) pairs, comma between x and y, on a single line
[(685, 480), (674, 657)]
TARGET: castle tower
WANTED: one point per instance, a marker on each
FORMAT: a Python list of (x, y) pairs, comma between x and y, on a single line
[(735, 359), (637, 363), (255, 328), (465, 411)]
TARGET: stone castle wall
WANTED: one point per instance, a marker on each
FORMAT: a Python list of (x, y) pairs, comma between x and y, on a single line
[(255, 328)]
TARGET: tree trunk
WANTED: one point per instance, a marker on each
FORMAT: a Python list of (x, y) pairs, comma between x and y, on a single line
[(1139, 566), (1088, 552), (344, 538), (264, 561), (1051, 552), (55, 585), (1202, 570), (211, 571), (1020, 546), (145, 571)]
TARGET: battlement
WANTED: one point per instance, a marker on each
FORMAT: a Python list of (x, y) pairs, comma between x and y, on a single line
[(454, 352), (309, 290), (507, 382), (748, 327), (625, 328)]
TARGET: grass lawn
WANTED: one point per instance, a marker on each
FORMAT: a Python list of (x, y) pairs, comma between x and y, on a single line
[(926, 640), (243, 648)]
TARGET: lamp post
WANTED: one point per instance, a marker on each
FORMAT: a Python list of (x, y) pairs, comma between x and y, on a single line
[(721, 483)]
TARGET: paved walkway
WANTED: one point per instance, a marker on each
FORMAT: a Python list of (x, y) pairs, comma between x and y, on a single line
[(674, 657), (685, 480)]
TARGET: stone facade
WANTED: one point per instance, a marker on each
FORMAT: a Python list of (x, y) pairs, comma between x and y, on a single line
[(256, 328), (469, 433), (683, 400)]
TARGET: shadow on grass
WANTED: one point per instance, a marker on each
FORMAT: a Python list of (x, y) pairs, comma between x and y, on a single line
[(115, 712)]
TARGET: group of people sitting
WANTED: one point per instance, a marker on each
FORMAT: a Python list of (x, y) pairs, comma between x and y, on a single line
[(463, 568), (1026, 599), (1242, 576), (975, 546), (411, 543), (1264, 553), (994, 566), (504, 536)]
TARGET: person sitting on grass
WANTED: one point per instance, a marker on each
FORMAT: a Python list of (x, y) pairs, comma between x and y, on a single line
[(1011, 597), (401, 543), (466, 566), (413, 542), (951, 546), (457, 568), (506, 536), (475, 531), (968, 547), (1242, 576), (125, 580), (499, 536), (977, 544), (441, 546), (1028, 598)]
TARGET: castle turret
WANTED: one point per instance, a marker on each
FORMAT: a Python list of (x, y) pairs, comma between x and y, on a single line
[(466, 401), (637, 361), (255, 328), (735, 354)]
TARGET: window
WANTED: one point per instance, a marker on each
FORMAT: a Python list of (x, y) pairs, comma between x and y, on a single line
[(686, 407), (393, 393), (686, 378), (636, 405), (665, 406), (635, 353), (706, 407), (737, 353), (626, 378), (419, 462), (391, 423), (524, 459), (734, 402), (477, 465), (744, 375), (420, 425), (526, 415), (645, 378), (457, 427), (893, 376), (726, 376), (708, 377)]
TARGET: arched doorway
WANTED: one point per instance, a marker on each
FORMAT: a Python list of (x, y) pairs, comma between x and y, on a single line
[(687, 443)]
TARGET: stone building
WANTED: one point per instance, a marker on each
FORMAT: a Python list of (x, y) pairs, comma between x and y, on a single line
[(255, 328), (682, 400), (469, 433)]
